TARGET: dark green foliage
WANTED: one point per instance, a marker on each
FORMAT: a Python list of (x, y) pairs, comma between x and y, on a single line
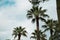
[(35, 2), (34, 12), (18, 31), (50, 25), (42, 35)]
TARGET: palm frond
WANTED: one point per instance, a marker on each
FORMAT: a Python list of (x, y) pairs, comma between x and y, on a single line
[(40, 8), (45, 0), (24, 34), (32, 10), (55, 21), (42, 11), (33, 20), (16, 28), (24, 31), (46, 29), (37, 8), (15, 35), (43, 35), (34, 2), (42, 19), (33, 37), (43, 38), (29, 15), (20, 27), (48, 21), (44, 26), (33, 33), (45, 15)]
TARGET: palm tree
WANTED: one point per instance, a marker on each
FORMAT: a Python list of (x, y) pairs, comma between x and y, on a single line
[(42, 35), (50, 25), (37, 13), (18, 31)]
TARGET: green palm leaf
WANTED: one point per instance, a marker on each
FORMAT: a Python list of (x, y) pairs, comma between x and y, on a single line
[(46, 29), (33, 20), (42, 19), (44, 26), (33, 37)]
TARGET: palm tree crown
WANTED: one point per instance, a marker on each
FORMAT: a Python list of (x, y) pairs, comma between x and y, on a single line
[(50, 25), (42, 35), (37, 12), (35, 2), (18, 31)]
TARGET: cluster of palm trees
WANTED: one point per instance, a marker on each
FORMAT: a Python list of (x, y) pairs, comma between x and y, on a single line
[(36, 13)]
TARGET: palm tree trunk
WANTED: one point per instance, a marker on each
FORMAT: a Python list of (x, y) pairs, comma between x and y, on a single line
[(51, 34), (19, 36), (37, 24), (58, 14)]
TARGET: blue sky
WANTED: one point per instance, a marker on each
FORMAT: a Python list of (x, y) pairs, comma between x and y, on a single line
[(6, 2), (13, 14)]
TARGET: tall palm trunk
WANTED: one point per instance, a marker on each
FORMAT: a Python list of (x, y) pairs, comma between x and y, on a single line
[(19, 36), (58, 11), (37, 24), (58, 14), (51, 34)]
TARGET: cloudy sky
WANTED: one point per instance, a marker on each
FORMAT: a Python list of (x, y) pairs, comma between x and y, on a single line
[(13, 14)]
